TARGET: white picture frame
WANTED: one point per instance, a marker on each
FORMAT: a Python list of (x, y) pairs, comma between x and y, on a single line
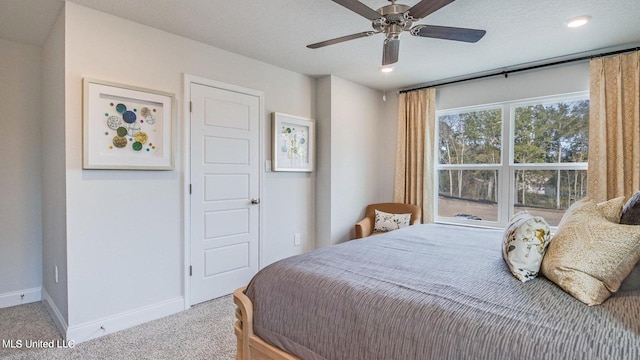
[(293, 143), (126, 127)]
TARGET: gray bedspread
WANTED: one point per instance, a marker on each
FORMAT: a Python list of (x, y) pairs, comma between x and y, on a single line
[(431, 292)]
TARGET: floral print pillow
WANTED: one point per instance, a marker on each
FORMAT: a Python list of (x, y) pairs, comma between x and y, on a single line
[(524, 243), (387, 222)]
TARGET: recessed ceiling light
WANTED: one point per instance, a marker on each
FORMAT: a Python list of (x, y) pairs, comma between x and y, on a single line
[(578, 21), (386, 69)]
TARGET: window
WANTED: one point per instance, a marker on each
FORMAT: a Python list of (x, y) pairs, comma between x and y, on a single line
[(496, 160)]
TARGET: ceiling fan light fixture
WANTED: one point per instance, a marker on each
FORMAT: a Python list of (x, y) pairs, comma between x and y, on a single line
[(386, 69), (578, 21)]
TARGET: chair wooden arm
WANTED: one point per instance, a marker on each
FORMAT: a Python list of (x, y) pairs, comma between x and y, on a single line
[(364, 228)]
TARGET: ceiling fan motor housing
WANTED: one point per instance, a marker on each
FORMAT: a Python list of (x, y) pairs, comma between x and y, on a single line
[(394, 20)]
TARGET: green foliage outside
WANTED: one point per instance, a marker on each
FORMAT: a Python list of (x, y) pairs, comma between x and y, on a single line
[(554, 133), (470, 138), (543, 133)]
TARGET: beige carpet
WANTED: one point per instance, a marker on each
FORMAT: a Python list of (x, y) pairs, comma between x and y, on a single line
[(203, 332)]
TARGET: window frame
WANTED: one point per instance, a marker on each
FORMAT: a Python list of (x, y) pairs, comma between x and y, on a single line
[(507, 167)]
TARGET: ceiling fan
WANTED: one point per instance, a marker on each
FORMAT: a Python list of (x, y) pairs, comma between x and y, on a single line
[(393, 19)]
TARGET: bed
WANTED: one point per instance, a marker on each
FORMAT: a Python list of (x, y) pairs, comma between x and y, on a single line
[(424, 292)]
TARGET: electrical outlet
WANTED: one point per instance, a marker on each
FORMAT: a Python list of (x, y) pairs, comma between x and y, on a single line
[(296, 239)]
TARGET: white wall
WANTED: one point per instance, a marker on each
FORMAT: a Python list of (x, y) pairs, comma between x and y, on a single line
[(125, 248), (323, 162), (350, 156), (54, 237), (387, 141), (567, 78), (355, 117), (20, 156)]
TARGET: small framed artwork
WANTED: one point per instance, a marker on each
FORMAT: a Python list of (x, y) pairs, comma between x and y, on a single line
[(293, 142), (126, 127)]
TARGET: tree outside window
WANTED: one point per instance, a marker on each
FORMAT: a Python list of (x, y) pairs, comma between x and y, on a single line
[(538, 165)]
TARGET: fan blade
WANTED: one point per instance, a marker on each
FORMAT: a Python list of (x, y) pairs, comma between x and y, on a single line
[(341, 39), (426, 7), (390, 51), (359, 8), (448, 33)]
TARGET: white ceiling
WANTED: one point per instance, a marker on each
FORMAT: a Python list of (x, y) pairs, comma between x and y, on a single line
[(277, 32)]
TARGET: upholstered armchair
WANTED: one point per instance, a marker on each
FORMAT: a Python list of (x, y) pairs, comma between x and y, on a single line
[(365, 226)]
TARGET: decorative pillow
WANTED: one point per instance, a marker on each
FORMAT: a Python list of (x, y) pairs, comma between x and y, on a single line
[(387, 222), (590, 256), (612, 209), (525, 241), (570, 210), (631, 211)]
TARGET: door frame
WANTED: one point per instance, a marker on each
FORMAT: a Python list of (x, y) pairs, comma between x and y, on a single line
[(186, 175)]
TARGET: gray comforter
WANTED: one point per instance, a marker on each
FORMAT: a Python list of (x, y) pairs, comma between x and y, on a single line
[(431, 292)]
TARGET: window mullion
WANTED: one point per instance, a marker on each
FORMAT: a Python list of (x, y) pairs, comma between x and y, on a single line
[(507, 154), (550, 166)]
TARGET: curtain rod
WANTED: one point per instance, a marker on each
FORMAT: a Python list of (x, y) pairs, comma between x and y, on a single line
[(506, 73)]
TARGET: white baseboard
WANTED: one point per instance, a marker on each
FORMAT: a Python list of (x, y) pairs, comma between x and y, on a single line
[(125, 320), (20, 297), (55, 313)]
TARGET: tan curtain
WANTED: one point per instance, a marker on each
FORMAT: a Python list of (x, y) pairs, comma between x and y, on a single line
[(414, 160), (614, 127)]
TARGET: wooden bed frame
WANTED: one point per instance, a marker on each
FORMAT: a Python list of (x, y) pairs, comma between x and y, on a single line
[(250, 346)]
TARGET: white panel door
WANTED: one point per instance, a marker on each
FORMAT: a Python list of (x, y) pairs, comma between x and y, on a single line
[(225, 190)]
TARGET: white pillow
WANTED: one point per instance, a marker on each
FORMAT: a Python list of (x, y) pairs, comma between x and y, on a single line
[(525, 241), (387, 222)]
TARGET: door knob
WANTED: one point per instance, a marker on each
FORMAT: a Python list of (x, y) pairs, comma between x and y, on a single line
[(255, 201)]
